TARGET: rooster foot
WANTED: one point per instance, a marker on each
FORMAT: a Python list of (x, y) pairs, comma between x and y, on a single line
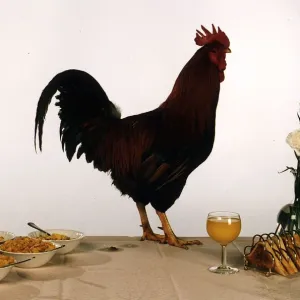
[(149, 235), (176, 242)]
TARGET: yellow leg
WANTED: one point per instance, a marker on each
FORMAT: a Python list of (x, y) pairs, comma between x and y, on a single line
[(148, 233), (171, 238)]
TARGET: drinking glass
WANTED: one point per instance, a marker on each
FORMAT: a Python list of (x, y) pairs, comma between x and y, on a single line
[(223, 227)]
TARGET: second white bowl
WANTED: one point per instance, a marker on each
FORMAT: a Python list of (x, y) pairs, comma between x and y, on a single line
[(70, 245)]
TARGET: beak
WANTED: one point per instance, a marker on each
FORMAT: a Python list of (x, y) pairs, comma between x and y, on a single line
[(228, 50)]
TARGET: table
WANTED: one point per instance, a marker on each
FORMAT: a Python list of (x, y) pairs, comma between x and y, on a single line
[(144, 271)]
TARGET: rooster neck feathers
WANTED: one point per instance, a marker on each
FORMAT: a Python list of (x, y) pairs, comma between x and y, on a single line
[(193, 100)]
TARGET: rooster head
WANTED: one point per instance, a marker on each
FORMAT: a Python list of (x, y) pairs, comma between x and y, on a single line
[(218, 44)]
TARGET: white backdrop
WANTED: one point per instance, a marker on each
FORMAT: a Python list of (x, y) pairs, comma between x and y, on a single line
[(136, 49)]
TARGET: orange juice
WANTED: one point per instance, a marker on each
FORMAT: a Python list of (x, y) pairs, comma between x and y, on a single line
[(223, 230)]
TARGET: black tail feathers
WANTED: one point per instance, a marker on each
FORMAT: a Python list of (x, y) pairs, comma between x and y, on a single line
[(81, 100)]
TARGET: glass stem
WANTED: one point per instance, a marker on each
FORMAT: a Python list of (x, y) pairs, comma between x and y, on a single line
[(224, 257)]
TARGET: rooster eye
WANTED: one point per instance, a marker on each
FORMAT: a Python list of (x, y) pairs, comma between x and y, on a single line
[(214, 51)]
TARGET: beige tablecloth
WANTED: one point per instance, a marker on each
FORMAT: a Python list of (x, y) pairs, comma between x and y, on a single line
[(144, 271)]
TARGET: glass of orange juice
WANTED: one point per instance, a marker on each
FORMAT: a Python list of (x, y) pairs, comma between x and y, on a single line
[(223, 227)]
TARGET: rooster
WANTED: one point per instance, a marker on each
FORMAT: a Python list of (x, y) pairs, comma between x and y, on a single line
[(149, 156)]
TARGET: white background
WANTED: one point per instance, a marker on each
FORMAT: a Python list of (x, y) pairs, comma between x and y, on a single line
[(136, 49)]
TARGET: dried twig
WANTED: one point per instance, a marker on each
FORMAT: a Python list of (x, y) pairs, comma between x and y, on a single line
[(292, 170)]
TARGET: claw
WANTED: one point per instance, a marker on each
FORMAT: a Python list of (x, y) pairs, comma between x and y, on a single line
[(176, 242), (149, 235)]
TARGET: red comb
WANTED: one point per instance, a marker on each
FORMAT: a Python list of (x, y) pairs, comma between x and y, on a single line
[(209, 37)]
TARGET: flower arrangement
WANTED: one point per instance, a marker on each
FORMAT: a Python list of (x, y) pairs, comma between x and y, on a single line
[(289, 216)]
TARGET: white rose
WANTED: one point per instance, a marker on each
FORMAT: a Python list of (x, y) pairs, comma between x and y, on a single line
[(293, 139)]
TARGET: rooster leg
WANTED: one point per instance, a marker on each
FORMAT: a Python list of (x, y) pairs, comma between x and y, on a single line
[(171, 238), (148, 234)]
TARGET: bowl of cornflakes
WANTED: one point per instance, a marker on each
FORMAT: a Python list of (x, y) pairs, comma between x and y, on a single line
[(69, 238), (6, 265), (5, 236), (23, 247)]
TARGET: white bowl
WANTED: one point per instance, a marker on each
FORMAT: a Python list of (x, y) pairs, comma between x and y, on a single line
[(5, 270), (6, 235), (70, 245), (37, 259)]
